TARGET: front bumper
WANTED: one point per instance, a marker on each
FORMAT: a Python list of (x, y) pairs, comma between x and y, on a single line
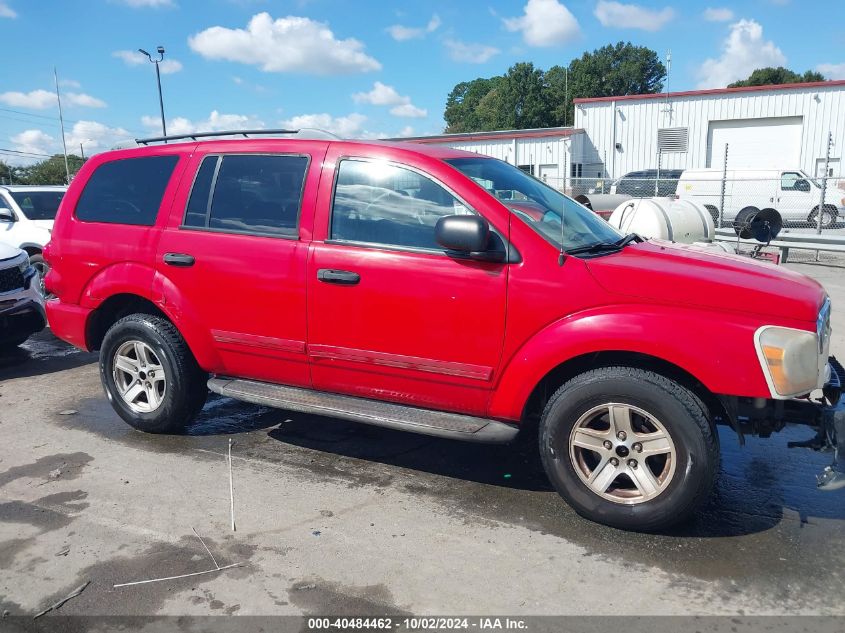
[(829, 415), (22, 312)]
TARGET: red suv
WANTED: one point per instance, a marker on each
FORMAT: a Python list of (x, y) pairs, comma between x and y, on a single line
[(436, 291)]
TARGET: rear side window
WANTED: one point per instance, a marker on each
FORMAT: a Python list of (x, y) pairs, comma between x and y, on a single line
[(127, 191), (248, 193)]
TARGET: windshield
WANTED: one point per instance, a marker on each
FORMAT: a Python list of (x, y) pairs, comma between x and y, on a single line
[(538, 205), (38, 205)]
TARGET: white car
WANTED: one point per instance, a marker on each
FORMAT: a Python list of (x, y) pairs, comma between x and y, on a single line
[(26, 218), (21, 300)]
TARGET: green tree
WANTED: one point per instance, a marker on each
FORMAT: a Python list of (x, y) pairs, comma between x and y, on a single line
[(462, 104), (522, 98), (50, 171), (773, 76), (612, 70), (7, 173)]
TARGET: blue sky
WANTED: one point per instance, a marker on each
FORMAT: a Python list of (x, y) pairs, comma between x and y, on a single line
[(360, 68)]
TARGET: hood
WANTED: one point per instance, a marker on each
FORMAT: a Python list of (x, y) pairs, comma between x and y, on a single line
[(7, 251), (697, 276)]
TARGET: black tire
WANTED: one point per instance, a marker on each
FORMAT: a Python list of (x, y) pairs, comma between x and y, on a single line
[(186, 388), (829, 217), (685, 420), (36, 260)]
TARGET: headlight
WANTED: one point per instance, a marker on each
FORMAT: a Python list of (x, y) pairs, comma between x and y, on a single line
[(790, 359), (24, 264)]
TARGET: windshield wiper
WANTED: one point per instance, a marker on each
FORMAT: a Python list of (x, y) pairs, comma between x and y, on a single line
[(606, 247), (631, 237)]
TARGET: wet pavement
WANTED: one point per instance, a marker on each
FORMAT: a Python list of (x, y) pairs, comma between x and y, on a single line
[(340, 516)]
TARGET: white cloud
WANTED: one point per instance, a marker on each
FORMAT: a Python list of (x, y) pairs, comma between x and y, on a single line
[(34, 142), (407, 131), (70, 83), (632, 16), (35, 100), (346, 126), (216, 122), (82, 100), (381, 94), (139, 4), (545, 23), (43, 99), (136, 58), (719, 14), (470, 53), (402, 33), (832, 71), (6, 11), (94, 136), (290, 44), (409, 110), (743, 51), (384, 95)]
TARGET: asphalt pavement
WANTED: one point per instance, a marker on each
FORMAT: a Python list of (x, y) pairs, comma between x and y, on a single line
[(337, 517)]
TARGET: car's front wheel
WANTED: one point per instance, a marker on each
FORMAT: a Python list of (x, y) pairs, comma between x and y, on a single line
[(629, 448), (150, 375)]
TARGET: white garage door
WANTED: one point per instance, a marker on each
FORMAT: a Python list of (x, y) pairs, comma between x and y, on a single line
[(755, 143)]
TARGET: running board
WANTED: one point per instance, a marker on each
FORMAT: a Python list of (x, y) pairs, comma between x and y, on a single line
[(375, 412)]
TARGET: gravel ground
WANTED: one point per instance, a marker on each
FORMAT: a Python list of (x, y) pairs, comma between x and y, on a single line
[(335, 517)]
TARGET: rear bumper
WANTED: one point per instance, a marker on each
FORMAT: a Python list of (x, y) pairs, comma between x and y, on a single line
[(68, 322)]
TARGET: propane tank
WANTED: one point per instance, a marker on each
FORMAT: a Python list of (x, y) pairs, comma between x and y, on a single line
[(682, 221)]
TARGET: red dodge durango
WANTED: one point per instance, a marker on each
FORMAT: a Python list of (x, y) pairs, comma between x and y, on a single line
[(440, 292)]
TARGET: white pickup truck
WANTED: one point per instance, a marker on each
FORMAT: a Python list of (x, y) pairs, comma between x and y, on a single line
[(26, 219), (790, 192)]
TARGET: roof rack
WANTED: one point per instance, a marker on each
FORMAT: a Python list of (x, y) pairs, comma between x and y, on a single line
[(245, 133)]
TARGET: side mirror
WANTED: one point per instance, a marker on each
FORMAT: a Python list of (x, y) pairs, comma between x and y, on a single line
[(6, 215), (467, 234)]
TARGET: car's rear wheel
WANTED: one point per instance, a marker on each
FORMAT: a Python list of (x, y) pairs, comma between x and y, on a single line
[(150, 375), (829, 217), (629, 448)]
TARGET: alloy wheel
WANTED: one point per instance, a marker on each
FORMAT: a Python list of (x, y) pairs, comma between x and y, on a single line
[(139, 377), (622, 453)]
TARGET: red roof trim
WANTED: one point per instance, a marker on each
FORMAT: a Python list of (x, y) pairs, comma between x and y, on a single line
[(483, 136), (715, 91)]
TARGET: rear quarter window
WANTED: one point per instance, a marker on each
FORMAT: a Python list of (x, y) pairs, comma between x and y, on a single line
[(127, 191)]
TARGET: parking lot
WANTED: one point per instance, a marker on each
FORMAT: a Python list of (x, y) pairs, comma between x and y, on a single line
[(335, 517)]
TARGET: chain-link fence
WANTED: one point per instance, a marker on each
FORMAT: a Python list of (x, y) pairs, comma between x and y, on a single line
[(800, 202)]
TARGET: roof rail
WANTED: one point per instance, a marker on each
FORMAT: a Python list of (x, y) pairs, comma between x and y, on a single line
[(245, 133)]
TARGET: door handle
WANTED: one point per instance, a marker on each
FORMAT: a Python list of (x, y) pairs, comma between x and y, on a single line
[(341, 277), (182, 260)]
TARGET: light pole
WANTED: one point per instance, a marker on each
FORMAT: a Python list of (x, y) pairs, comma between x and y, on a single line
[(160, 51)]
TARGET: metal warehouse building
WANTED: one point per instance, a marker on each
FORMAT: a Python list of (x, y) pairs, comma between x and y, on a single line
[(548, 153), (783, 126)]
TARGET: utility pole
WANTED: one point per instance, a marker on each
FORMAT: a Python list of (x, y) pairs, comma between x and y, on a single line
[(160, 51), (61, 123)]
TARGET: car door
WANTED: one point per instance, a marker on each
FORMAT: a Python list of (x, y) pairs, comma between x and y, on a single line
[(793, 196), (233, 259), (390, 315)]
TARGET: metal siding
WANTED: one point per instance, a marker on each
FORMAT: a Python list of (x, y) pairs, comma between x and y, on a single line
[(638, 131)]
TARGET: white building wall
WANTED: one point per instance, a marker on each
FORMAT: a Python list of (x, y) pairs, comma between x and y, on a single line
[(637, 122), (529, 151)]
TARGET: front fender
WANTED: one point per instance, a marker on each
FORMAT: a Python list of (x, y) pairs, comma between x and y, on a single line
[(716, 350)]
